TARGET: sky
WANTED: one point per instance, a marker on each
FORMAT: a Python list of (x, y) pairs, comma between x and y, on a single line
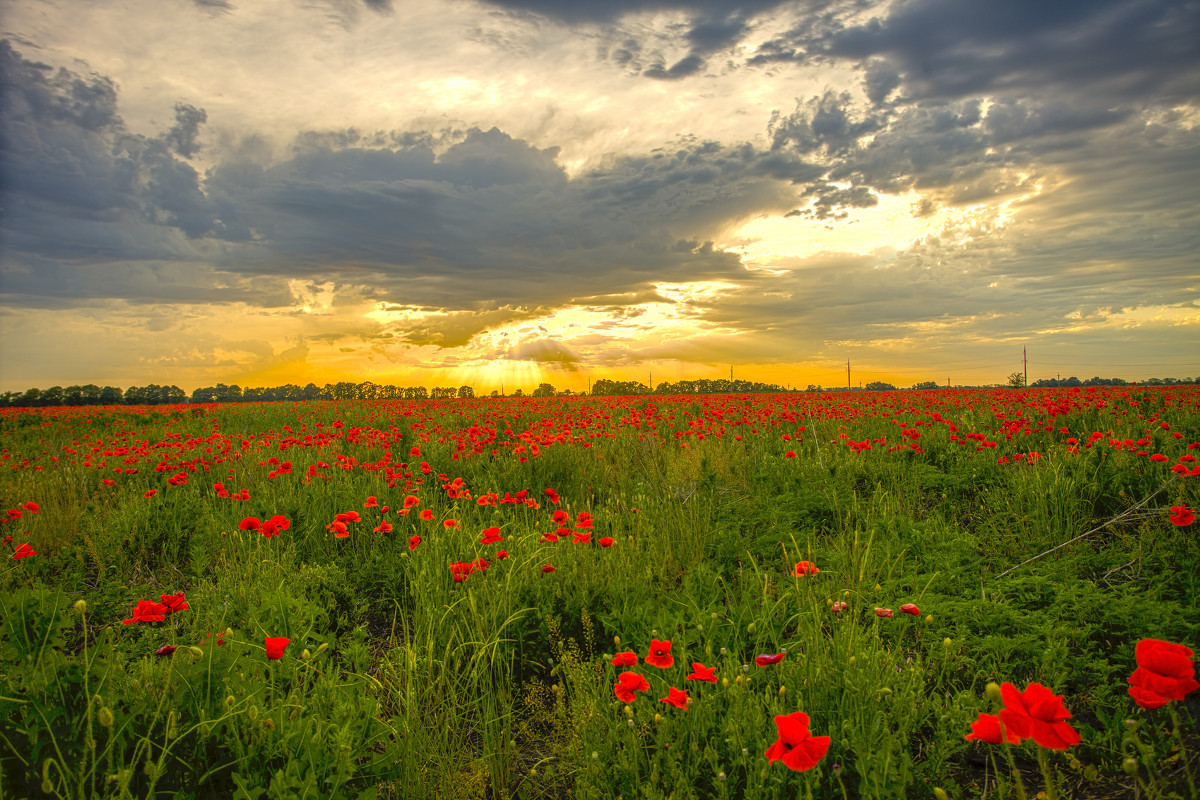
[(458, 192)]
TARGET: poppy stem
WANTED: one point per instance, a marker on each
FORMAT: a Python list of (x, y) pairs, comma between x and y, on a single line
[(1047, 774), (1183, 758), (1019, 785)]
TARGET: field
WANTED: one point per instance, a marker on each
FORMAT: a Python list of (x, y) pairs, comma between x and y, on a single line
[(432, 598)]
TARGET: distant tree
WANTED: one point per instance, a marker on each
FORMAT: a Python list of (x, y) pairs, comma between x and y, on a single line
[(880, 386), (544, 390), (111, 395), (1016, 380), (466, 393), (52, 396), (518, 393), (925, 385)]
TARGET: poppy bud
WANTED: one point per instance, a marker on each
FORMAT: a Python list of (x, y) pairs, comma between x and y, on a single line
[(992, 690), (947, 642), (721, 776), (81, 606), (252, 713), (306, 655), (617, 641), (1130, 765), (230, 701), (657, 718), (750, 628), (323, 646), (782, 691), (940, 794), (105, 717)]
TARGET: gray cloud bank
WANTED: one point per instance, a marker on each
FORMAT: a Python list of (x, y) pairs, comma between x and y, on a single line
[(965, 103)]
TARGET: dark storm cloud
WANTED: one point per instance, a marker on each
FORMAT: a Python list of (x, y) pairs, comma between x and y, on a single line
[(1126, 49)]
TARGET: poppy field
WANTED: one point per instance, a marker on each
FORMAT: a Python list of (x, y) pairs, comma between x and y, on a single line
[(950, 593)]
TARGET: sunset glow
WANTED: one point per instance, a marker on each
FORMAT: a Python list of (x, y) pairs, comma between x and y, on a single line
[(498, 194)]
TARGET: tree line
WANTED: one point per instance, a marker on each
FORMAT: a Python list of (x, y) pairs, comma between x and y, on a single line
[(153, 394)]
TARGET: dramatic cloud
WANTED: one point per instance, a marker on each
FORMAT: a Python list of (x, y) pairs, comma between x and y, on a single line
[(577, 186)]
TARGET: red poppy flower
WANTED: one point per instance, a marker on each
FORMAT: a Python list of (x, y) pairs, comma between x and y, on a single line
[(416, 451), (806, 568), (249, 524), (340, 531), (883, 612), (1158, 457), (174, 602), (702, 673), (550, 538), (581, 538), (909, 608), (553, 495), (561, 517), (767, 660), (383, 527), (150, 493), (280, 522), (607, 541), (660, 654), (450, 523), (459, 570), (348, 516), (371, 502), (626, 659), (1182, 515), (165, 650), (789, 454), (275, 646), (548, 568), (23, 551), (427, 515), (413, 541), (1165, 672), (501, 554), (584, 521), (147, 611), (839, 606), (628, 683), (31, 507), (676, 698), (988, 729), (1037, 714), (411, 501), (796, 747)]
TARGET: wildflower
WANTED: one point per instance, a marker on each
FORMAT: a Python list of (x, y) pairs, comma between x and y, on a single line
[(676, 698), (383, 527), (552, 495), (805, 568), (165, 650), (413, 541), (1037, 714), (147, 611), (31, 507), (584, 521), (501, 554), (174, 602), (549, 538), (275, 646), (626, 659), (839, 606), (24, 551), (628, 683), (883, 612), (491, 535), (450, 523), (411, 501), (561, 517), (796, 746), (909, 608), (701, 673), (1165, 672), (348, 516), (371, 502), (581, 538), (988, 729), (1182, 515), (249, 524), (340, 531), (767, 660), (548, 568), (150, 493), (459, 570), (789, 454), (660, 654), (427, 515)]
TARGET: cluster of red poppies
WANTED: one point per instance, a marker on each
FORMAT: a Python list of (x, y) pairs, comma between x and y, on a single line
[(1165, 673)]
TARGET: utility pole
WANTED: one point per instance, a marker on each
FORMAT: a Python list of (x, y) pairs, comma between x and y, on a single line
[(1025, 358), (848, 374), (652, 380)]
